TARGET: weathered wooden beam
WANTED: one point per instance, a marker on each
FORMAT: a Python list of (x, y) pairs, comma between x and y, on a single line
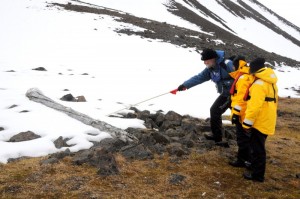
[(36, 95)]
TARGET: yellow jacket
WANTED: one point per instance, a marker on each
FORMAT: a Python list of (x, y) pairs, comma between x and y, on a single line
[(261, 112), (244, 80)]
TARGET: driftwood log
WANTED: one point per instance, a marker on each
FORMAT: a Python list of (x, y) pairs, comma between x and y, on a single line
[(36, 95)]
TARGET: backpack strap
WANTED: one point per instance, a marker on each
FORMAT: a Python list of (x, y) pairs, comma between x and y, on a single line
[(232, 89), (267, 99), (223, 65), (270, 99), (246, 96)]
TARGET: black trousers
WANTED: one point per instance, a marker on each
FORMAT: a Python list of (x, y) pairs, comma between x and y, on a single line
[(258, 153), (220, 105), (243, 142)]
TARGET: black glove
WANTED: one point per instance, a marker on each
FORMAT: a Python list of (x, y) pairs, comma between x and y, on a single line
[(181, 88), (235, 119), (247, 132)]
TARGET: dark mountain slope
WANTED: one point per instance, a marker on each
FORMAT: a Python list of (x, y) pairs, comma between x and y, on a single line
[(182, 36), (243, 11), (260, 18), (203, 10), (276, 15)]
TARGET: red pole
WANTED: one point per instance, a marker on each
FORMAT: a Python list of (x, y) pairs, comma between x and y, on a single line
[(173, 92)]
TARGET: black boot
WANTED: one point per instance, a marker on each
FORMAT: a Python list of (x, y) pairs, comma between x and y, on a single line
[(237, 163), (210, 136), (250, 176), (222, 144), (248, 165)]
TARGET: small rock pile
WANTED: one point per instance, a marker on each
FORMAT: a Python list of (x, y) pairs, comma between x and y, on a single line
[(169, 133)]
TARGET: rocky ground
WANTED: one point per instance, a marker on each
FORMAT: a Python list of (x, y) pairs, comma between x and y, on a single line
[(170, 133), (171, 160)]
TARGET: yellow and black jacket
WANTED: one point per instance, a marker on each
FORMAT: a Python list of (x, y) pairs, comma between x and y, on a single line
[(261, 111), (242, 82)]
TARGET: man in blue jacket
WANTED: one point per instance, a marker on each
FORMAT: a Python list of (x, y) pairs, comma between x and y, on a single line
[(217, 71)]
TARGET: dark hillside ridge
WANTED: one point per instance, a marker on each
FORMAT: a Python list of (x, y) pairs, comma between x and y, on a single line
[(185, 37), (279, 17)]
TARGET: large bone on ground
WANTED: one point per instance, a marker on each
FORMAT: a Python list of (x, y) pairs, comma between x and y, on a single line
[(36, 95)]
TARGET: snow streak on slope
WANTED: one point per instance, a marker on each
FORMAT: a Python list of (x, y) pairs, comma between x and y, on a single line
[(281, 24), (250, 24), (219, 13), (149, 9)]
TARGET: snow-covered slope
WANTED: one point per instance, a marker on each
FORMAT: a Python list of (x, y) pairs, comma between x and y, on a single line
[(248, 19)]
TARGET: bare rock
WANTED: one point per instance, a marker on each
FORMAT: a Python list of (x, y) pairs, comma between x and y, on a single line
[(80, 98), (24, 136), (139, 152), (176, 178), (40, 69), (68, 97), (60, 142)]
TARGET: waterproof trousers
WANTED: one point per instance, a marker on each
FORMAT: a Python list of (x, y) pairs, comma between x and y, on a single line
[(243, 142), (221, 104), (258, 153)]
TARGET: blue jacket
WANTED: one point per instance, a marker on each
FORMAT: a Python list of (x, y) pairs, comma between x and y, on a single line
[(223, 83)]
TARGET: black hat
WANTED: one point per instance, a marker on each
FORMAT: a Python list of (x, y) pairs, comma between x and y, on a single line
[(257, 64), (236, 61), (208, 54)]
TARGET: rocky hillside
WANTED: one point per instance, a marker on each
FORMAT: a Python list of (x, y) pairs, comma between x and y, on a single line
[(189, 38)]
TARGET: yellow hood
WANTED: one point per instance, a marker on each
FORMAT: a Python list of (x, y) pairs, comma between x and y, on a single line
[(266, 74), (243, 68)]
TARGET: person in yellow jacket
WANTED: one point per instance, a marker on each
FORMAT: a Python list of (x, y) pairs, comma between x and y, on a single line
[(242, 80), (260, 117)]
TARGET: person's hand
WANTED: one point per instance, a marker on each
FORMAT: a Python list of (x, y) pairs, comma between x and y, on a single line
[(235, 119), (181, 88)]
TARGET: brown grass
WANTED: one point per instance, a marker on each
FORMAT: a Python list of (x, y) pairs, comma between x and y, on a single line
[(207, 175)]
